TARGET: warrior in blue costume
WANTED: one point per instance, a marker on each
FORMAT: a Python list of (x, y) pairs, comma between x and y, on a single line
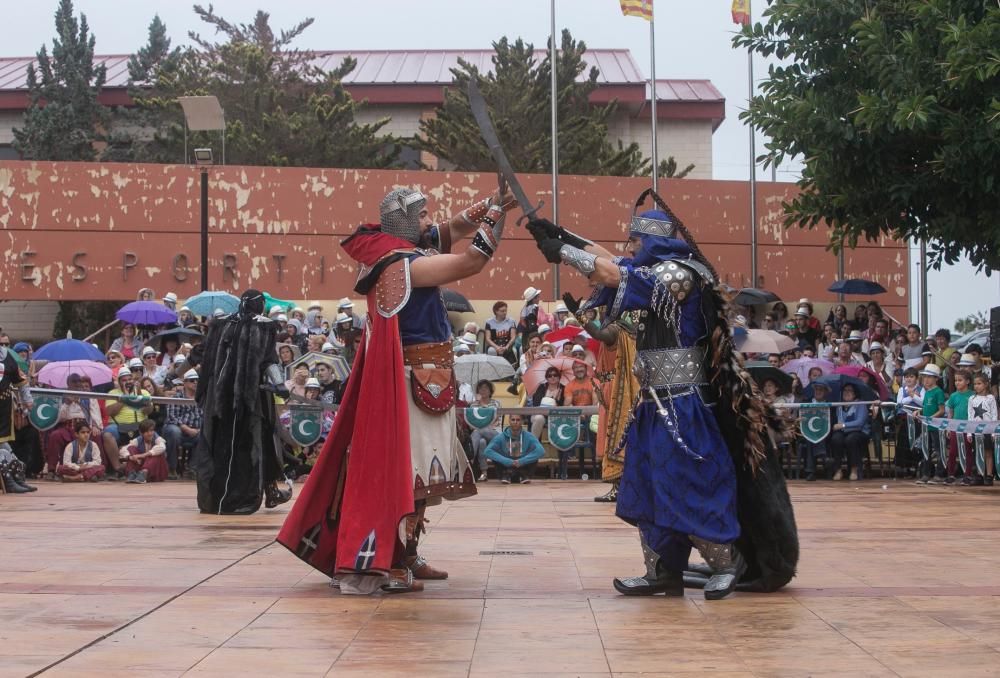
[(701, 469)]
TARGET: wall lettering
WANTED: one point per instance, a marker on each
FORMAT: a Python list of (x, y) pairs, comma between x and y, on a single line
[(81, 270), (27, 268), (129, 261), (179, 267)]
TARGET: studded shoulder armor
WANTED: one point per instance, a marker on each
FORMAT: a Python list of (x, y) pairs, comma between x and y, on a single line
[(679, 278)]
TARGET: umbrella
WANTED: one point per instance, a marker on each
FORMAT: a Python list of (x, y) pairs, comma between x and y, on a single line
[(270, 302), (751, 296), (835, 383), (856, 286), (54, 374), (559, 337), (456, 302), (765, 341), (340, 368), (146, 313), (471, 369), (857, 370), (68, 349), (535, 374), (182, 334), (802, 367), (205, 303), (762, 371)]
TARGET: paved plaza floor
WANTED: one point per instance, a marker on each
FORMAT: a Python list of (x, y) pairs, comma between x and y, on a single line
[(125, 580)]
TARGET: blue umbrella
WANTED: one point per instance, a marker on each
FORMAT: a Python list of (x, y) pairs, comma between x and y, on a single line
[(856, 286), (68, 349), (146, 313), (835, 382), (205, 303)]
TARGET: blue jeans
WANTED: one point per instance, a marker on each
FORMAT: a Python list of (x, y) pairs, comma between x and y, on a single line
[(176, 439)]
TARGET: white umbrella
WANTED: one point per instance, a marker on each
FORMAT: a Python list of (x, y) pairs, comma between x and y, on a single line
[(765, 341), (471, 369)]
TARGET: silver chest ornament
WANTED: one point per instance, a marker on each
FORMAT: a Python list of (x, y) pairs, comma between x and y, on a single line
[(679, 280)]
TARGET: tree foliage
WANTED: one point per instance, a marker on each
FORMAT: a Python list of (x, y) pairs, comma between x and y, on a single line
[(280, 108), (518, 92), (894, 106), (64, 120), (971, 323)]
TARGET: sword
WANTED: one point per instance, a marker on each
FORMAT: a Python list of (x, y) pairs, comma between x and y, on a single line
[(489, 134)]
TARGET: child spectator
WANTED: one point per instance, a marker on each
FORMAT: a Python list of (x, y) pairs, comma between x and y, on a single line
[(983, 407), (147, 460), (957, 407), (910, 396), (81, 459), (933, 406)]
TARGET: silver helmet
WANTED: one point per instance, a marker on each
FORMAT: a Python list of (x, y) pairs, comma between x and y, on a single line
[(399, 213)]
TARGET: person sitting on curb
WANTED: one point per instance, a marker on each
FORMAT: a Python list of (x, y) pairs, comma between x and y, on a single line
[(515, 452), (81, 459), (147, 460)]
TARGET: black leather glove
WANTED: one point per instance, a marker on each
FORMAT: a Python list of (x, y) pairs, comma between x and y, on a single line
[(541, 229), (572, 303), (550, 248)]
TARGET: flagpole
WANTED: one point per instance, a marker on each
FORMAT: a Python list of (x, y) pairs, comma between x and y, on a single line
[(555, 141), (653, 97), (753, 184)]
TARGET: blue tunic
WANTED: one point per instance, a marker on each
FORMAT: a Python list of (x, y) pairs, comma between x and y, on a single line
[(667, 489), (424, 318)]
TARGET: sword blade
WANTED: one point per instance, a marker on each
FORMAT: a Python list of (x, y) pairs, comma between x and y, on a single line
[(482, 116)]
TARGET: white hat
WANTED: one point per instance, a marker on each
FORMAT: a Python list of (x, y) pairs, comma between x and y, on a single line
[(548, 402), (218, 313), (327, 346), (312, 382), (343, 318), (561, 308), (184, 308), (804, 300), (134, 363), (855, 335), (187, 346), (461, 347), (530, 293), (931, 370), (967, 360), (316, 305), (572, 322), (876, 346), (282, 318), (469, 339), (802, 311), (543, 328), (275, 310), (148, 350), (124, 372), (298, 309), (578, 349), (190, 374), (345, 303), (170, 297)]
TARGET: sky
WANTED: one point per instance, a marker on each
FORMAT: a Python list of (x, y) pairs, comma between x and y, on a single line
[(693, 40)]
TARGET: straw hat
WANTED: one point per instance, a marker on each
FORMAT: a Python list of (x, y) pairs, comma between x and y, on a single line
[(931, 370)]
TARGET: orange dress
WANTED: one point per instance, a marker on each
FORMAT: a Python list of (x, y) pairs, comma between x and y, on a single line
[(619, 391)]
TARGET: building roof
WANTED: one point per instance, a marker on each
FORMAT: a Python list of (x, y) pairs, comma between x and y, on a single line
[(420, 76)]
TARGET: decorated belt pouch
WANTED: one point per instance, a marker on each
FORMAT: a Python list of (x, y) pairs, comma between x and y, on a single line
[(434, 389)]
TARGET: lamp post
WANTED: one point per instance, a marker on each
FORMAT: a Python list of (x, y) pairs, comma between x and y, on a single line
[(203, 114), (203, 159)]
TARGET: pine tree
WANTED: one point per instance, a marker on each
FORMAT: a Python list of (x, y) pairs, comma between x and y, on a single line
[(64, 120)]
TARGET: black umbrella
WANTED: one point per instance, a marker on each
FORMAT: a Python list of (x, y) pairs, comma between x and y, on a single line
[(751, 296), (762, 371), (836, 382), (182, 334), (856, 286), (453, 301)]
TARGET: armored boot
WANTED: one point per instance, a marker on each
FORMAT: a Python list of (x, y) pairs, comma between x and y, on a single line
[(10, 483), (17, 470), (273, 495), (656, 580), (611, 496), (727, 566), (412, 560)]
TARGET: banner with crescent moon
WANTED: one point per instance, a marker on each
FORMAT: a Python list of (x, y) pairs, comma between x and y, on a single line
[(480, 417), (44, 413), (305, 425), (815, 423), (564, 428)]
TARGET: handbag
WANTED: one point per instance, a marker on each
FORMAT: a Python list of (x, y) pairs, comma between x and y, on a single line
[(434, 389)]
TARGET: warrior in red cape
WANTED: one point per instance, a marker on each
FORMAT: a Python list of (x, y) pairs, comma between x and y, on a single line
[(393, 449)]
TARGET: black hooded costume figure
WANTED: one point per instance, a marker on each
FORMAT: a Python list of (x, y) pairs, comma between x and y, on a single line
[(238, 458)]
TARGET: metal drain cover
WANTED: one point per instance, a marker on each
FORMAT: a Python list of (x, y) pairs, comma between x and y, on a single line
[(506, 553)]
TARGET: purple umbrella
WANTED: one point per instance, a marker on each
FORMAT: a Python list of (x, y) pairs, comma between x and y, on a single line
[(801, 367), (146, 313), (55, 374)]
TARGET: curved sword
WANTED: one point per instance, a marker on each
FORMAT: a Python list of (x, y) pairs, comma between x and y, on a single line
[(481, 113)]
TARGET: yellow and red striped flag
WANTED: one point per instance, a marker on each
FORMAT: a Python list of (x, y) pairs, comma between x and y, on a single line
[(640, 8), (741, 12)]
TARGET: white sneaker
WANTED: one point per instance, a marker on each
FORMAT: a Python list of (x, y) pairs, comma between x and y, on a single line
[(839, 475), (854, 475)]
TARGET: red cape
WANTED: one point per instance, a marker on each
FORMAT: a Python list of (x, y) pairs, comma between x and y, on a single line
[(347, 516)]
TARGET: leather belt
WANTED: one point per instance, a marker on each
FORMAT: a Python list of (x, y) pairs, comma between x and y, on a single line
[(670, 367), (438, 354)]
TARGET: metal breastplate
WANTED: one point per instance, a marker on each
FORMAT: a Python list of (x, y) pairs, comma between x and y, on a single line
[(667, 368)]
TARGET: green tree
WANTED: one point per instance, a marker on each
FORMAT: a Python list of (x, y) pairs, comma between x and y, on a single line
[(280, 108), (64, 120), (518, 94), (894, 107), (970, 323)]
